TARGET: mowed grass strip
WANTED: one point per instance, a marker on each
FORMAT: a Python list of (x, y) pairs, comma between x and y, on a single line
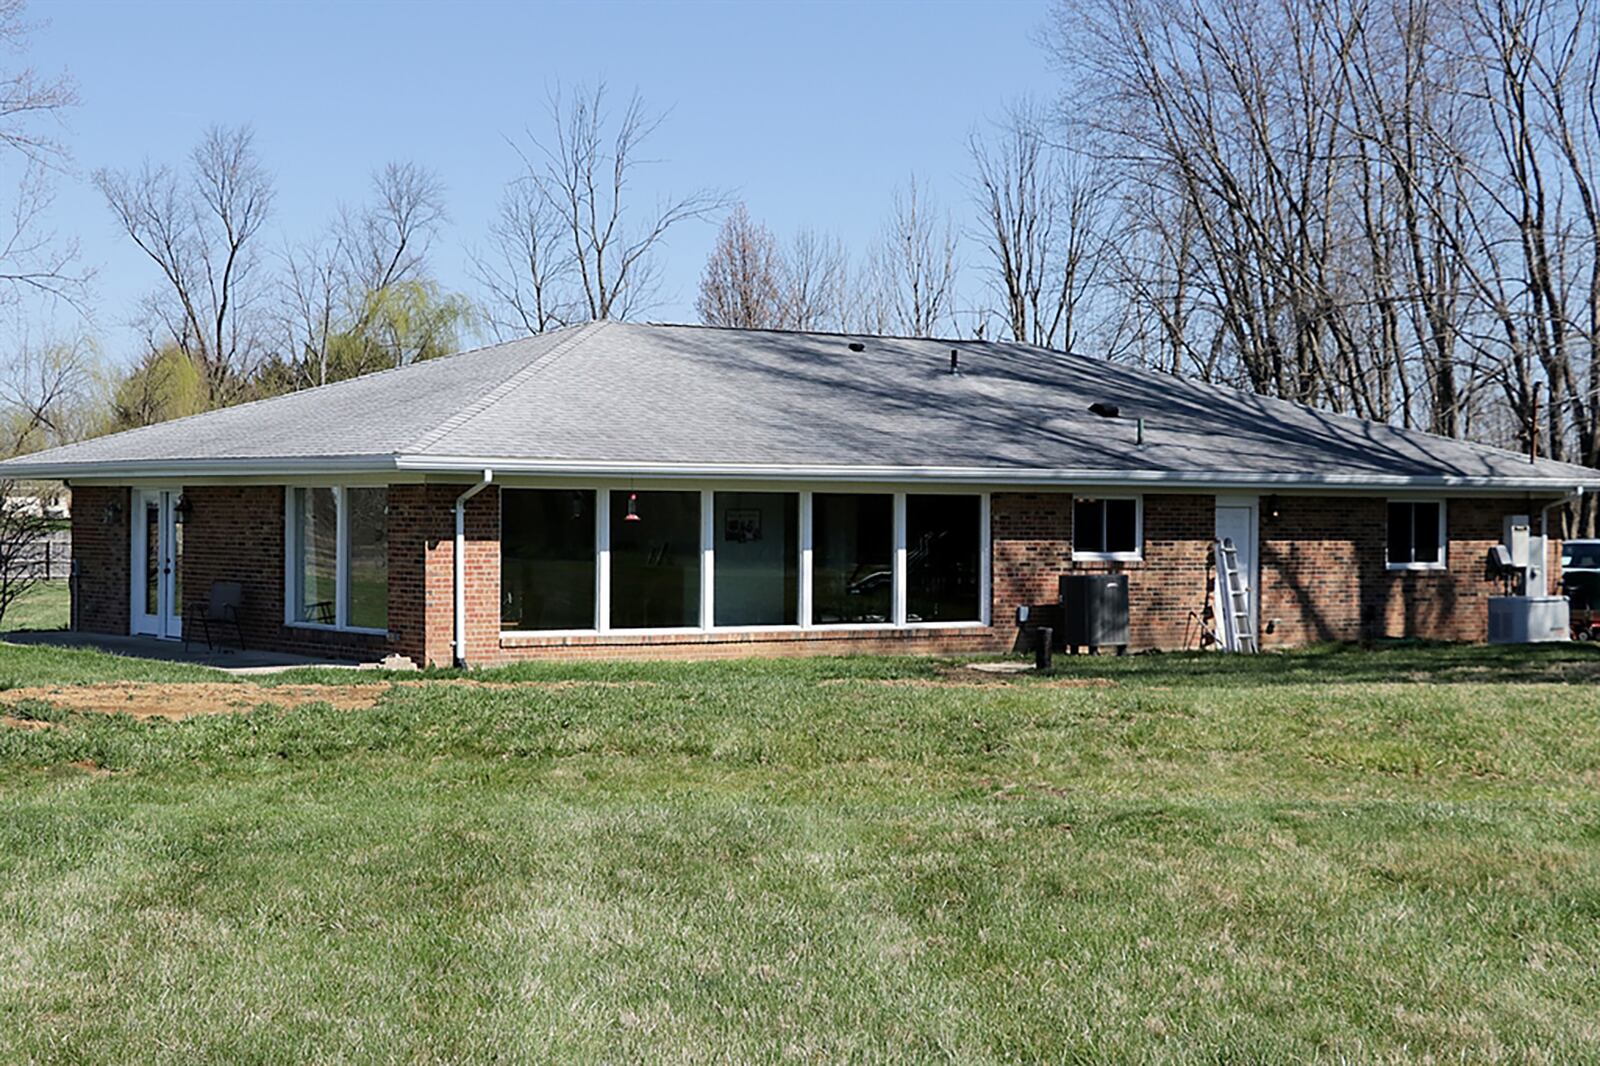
[(866, 860)]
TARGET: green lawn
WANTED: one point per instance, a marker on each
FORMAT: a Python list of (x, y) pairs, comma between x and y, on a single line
[(45, 606), (1336, 855)]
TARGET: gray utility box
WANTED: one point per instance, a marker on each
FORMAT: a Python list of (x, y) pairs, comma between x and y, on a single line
[(1094, 611), (1528, 619)]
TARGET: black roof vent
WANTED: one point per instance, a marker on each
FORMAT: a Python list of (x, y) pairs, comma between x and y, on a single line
[(857, 346), (1105, 410)]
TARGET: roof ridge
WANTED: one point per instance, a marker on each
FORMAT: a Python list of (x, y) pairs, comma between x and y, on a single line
[(506, 387), (865, 335)]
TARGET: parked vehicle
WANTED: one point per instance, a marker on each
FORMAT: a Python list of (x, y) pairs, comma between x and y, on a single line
[(1582, 589), (1580, 555)]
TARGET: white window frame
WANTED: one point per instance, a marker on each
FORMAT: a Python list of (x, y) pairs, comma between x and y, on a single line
[(1444, 534), (1135, 556), (707, 615), (341, 555)]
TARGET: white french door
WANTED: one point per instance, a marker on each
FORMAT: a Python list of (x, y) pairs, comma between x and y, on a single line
[(157, 564)]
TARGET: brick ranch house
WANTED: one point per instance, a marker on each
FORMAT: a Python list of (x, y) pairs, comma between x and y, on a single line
[(618, 489)]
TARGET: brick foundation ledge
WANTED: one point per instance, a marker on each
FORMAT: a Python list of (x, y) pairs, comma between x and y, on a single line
[(968, 640)]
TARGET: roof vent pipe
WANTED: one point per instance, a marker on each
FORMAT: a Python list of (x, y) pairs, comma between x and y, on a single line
[(1139, 432), (856, 346), (955, 361)]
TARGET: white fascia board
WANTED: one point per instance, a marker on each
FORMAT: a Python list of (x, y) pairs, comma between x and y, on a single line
[(473, 466)]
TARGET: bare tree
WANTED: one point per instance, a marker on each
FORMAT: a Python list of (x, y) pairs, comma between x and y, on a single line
[(524, 271), (23, 527), (910, 288), (33, 259), (336, 284), (44, 393), (815, 282), (741, 283), (388, 240), (199, 230), (1041, 223), (570, 244)]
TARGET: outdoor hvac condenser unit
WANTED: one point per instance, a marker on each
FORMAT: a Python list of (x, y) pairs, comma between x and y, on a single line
[(1094, 611), (1528, 619)]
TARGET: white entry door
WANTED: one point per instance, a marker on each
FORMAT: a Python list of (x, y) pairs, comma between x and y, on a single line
[(157, 564), (1237, 519)]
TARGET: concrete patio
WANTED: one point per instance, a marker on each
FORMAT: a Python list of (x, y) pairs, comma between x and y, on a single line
[(230, 660)]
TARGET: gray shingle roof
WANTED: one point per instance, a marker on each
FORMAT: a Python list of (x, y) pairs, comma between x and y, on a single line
[(613, 397)]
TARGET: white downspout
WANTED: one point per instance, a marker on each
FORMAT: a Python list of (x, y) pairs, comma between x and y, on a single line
[(458, 646), (1544, 528)]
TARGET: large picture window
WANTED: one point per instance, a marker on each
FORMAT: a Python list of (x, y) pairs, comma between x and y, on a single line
[(852, 545), (655, 560), (600, 560), (757, 553), (1106, 528), (547, 559), (339, 557), (943, 559), (1416, 534)]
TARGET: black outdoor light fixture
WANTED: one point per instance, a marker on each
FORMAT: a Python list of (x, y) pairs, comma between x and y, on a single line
[(633, 508), (183, 510), (1272, 507), (111, 515)]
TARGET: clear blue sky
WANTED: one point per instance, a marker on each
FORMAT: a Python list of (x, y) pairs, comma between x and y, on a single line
[(810, 112)]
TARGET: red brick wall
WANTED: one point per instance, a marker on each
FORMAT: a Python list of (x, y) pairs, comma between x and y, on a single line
[(236, 533), (422, 579), (100, 552), (1033, 548), (1323, 575)]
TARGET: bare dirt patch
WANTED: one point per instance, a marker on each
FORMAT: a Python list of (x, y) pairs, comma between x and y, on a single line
[(187, 699)]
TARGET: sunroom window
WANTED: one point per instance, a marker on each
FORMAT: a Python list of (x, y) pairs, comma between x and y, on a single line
[(1416, 534), (655, 560), (852, 558), (547, 559), (339, 557), (757, 558), (943, 558)]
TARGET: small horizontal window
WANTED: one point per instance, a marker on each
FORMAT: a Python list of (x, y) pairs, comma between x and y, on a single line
[(1416, 534), (1106, 528)]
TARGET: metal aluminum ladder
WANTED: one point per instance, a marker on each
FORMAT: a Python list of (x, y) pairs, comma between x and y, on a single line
[(1233, 594)]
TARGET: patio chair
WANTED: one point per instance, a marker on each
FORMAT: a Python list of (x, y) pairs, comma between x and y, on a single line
[(220, 609)]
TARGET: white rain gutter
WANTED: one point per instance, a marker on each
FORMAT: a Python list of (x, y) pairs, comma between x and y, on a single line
[(378, 466), (1040, 477), (458, 646)]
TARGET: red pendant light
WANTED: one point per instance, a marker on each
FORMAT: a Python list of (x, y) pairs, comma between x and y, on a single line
[(633, 508)]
